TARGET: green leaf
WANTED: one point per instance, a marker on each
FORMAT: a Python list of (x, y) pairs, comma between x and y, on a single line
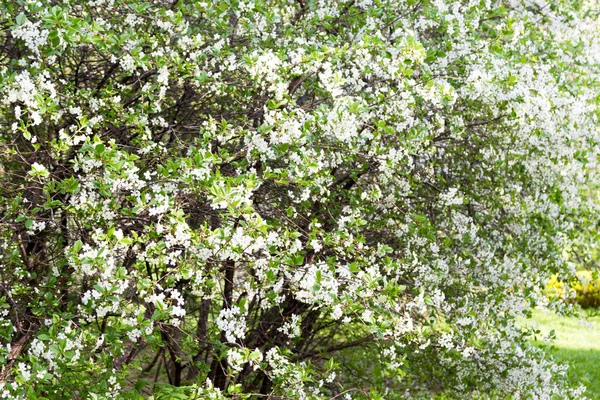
[(99, 149), (77, 246), (21, 18), (140, 385)]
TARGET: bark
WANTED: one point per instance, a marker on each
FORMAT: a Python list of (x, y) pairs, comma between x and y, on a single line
[(219, 366)]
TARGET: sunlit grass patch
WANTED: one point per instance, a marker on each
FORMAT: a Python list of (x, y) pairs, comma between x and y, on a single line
[(577, 343)]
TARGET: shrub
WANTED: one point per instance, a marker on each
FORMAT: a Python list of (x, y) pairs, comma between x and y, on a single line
[(583, 289), (227, 198)]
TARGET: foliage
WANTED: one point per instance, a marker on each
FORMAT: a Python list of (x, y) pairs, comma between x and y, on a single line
[(584, 289), (223, 198)]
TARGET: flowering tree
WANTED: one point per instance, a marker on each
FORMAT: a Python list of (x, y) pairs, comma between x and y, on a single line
[(287, 199)]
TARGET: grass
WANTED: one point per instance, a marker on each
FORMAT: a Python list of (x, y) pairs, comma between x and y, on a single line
[(577, 343)]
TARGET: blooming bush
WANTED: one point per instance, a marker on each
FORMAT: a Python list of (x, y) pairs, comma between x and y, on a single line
[(308, 199)]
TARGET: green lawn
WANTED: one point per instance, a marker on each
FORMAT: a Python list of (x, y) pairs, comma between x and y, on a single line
[(577, 344)]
